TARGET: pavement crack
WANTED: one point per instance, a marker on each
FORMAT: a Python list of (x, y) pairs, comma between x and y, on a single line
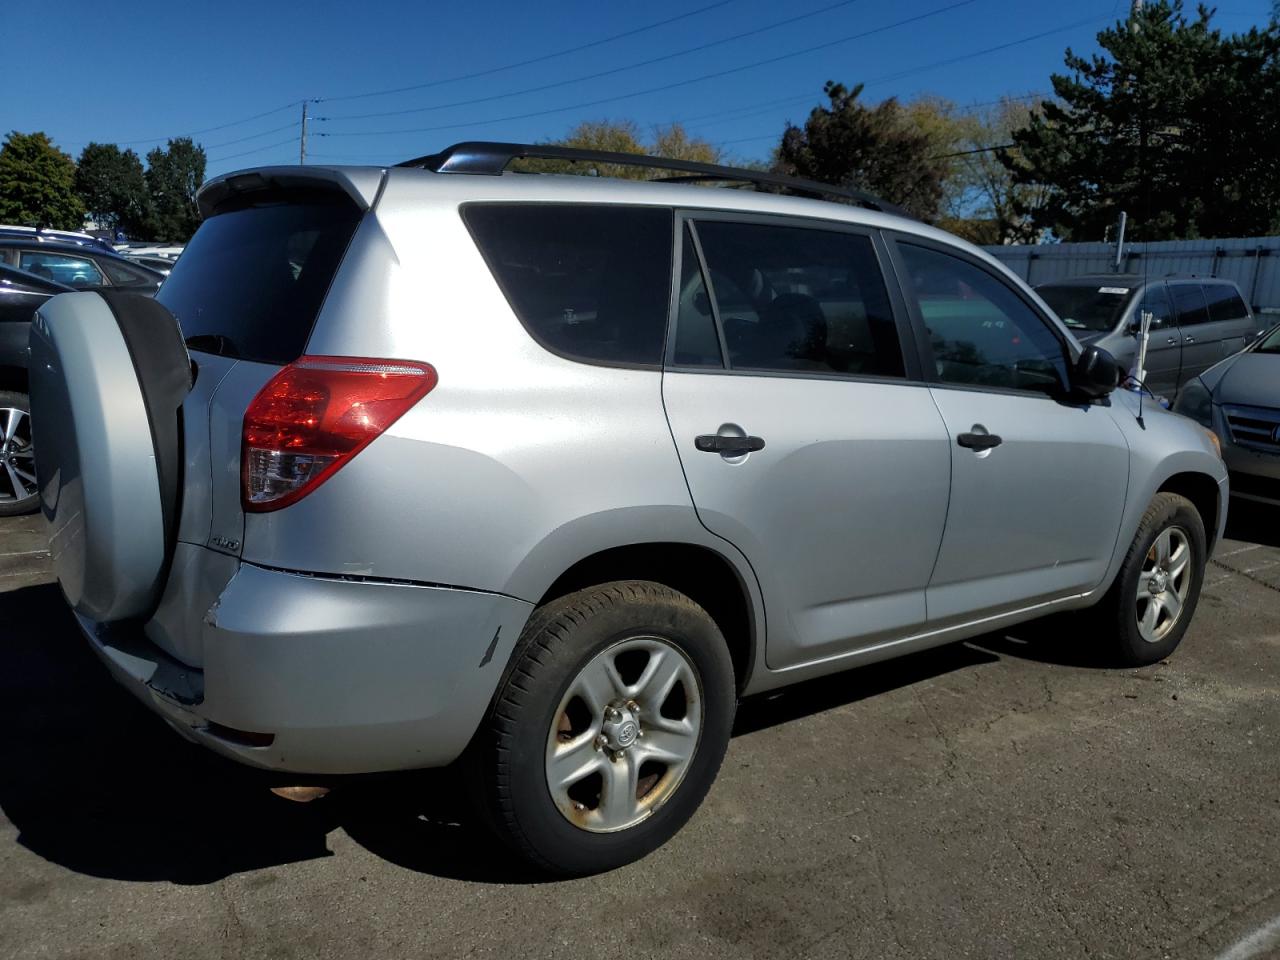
[(233, 932), (1246, 574)]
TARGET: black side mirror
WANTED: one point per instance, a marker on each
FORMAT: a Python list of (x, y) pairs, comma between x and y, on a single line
[(1096, 373)]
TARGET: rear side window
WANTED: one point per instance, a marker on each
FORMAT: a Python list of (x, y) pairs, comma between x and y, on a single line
[(588, 282), (1189, 299), (794, 299), (123, 275), (251, 281), (1224, 302)]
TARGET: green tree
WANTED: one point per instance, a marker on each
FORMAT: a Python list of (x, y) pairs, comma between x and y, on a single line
[(173, 176), (879, 149), (111, 184), (624, 136), (1173, 122), (37, 184)]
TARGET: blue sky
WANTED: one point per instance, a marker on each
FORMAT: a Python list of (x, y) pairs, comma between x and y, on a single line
[(136, 73)]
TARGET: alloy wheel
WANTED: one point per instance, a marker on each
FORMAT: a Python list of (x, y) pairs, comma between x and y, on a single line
[(17, 458), (1163, 584), (624, 734)]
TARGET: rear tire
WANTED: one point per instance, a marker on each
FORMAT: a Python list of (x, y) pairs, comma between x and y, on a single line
[(18, 491), (608, 729), (1154, 596)]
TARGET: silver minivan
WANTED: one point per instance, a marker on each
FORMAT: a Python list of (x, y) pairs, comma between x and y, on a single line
[(1195, 321), (408, 466)]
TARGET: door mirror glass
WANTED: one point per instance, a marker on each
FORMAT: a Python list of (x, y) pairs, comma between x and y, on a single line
[(1096, 373)]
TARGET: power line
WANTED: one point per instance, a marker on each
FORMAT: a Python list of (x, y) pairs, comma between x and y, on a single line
[(221, 126), (531, 61), (666, 86), (603, 73), (245, 153), (252, 136), (947, 62)]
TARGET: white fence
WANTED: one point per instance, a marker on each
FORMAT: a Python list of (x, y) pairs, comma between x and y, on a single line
[(1252, 262)]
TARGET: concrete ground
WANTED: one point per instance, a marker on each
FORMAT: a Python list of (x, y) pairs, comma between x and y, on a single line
[(1007, 797)]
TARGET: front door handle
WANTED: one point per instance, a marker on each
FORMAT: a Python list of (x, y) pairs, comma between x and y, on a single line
[(1188, 339), (719, 443), (1171, 341), (979, 441)]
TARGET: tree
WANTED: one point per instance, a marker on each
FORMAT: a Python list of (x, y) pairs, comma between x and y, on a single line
[(623, 136), (37, 184), (111, 184), (174, 174), (878, 149), (1173, 123)]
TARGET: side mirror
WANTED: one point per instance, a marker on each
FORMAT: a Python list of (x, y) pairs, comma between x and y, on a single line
[(1096, 373)]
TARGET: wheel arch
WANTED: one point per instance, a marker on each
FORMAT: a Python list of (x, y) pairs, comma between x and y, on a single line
[(707, 577), (14, 378), (1203, 492)]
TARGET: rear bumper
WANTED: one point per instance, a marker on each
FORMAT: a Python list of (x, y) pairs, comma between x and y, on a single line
[(343, 676)]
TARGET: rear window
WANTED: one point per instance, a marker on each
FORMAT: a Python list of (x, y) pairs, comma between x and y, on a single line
[(251, 281), (1225, 303), (590, 283)]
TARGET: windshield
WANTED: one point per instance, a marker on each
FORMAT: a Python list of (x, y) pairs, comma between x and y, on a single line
[(1270, 343), (1081, 307)]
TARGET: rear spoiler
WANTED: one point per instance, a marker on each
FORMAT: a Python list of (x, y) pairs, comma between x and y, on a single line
[(361, 184)]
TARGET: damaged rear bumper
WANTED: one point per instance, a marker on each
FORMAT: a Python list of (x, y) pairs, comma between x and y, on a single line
[(315, 675)]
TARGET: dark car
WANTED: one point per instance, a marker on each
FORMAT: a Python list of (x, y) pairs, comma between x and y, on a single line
[(1195, 321), (40, 234), (21, 294), (77, 266)]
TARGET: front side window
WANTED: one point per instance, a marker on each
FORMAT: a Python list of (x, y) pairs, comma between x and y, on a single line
[(1155, 301), (982, 333), (1188, 298), (795, 299), (73, 271), (588, 282)]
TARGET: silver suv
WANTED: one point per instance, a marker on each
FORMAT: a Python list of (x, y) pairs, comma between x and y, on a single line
[(544, 473)]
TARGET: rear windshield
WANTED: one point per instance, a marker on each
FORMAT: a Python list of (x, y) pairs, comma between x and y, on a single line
[(251, 281), (1097, 308)]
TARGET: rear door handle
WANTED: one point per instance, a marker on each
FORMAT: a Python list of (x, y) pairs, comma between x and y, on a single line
[(1171, 341), (719, 443), (979, 441), (1188, 339)]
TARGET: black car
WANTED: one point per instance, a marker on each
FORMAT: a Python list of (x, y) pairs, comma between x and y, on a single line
[(77, 266), (21, 294)]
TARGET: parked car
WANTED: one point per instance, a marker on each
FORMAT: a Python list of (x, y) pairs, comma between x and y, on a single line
[(163, 251), (77, 266), (20, 295), (158, 264), (543, 473), (42, 235), (1239, 399), (1195, 321)]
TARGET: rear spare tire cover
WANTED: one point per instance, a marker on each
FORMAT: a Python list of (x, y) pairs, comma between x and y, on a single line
[(108, 375)]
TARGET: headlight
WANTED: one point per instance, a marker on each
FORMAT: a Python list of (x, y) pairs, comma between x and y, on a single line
[(1195, 401)]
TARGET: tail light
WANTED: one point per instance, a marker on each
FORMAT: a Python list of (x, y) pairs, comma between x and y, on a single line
[(314, 416)]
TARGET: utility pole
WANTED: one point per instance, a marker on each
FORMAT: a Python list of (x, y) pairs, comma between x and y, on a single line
[(302, 146)]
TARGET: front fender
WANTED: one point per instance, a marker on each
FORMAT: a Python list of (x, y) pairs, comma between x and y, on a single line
[(1165, 445)]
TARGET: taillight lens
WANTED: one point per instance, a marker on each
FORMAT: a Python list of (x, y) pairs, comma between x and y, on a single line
[(315, 415)]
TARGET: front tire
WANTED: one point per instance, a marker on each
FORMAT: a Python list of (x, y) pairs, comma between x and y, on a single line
[(18, 491), (609, 728), (1155, 594)]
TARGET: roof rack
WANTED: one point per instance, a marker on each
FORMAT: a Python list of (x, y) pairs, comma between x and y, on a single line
[(491, 159)]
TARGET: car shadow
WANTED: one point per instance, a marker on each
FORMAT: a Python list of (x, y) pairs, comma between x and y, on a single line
[(1253, 522), (95, 782)]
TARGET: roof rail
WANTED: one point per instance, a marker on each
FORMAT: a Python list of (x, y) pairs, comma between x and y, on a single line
[(491, 159)]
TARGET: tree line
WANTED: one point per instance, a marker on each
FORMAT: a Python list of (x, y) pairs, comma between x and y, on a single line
[(42, 186), (1173, 121)]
